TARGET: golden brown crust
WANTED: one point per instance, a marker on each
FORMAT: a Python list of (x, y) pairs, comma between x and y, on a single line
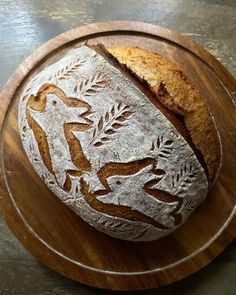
[(176, 92)]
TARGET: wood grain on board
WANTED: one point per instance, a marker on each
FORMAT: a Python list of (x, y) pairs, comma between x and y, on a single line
[(58, 237)]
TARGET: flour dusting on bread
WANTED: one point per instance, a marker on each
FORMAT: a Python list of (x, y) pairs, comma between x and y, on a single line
[(108, 152)]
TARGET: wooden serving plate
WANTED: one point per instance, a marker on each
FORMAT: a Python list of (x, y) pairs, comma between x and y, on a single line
[(59, 238)]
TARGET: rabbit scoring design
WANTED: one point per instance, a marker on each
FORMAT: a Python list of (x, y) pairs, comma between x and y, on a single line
[(106, 151)]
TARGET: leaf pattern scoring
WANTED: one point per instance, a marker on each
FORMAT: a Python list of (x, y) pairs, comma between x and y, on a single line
[(163, 147), (91, 85), (69, 70), (190, 205), (109, 124), (185, 177)]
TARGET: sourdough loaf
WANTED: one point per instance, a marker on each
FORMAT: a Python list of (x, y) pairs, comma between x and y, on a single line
[(109, 149)]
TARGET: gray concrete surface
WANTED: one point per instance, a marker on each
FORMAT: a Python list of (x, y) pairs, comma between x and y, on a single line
[(24, 25)]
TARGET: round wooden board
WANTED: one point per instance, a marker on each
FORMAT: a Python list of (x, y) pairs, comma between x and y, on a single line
[(59, 238)]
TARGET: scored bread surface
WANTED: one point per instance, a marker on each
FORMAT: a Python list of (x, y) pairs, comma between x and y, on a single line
[(177, 93), (106, 151)]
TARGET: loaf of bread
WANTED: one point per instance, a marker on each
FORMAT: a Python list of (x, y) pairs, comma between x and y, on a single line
[(113, 147)]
